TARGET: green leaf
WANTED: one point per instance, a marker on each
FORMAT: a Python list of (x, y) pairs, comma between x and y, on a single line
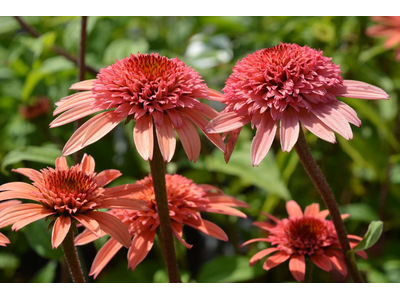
[(371, 237), (266, 176), (360, 212), (40, 240), (121, 48), (46, 274), (46, 155), (228, 269)]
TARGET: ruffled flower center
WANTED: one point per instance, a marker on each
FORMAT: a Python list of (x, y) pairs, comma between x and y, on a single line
[(285, 75), (70, 191), (306, 235), (146, 83)]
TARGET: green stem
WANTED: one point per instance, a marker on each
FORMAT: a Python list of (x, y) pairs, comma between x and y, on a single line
[(71, 258), (325, 191), (309, 271), (157, 167)]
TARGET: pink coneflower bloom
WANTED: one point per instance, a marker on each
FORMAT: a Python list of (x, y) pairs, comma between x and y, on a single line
[(149, 89), (185, 199), (70, 195), (292, 84), (300, 236), (3, 239), (388, 28)]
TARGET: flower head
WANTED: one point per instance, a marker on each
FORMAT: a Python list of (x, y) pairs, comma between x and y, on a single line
[(149, 89), (388, 28), (70, 195), (185, 199), (300, 236), (3, 205), (291, 84)]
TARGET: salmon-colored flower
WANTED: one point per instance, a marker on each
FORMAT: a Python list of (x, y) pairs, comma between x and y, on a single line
[(3, 239), (388, 28), (185, 199), (300, 236), (149, 89), (292, 84), (70, 195)]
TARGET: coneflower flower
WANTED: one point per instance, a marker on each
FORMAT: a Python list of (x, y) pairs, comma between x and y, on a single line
[(185, 199), (388, 28), (70, 195), (292, 84), (300, 236), (149, 89), (3, 239)]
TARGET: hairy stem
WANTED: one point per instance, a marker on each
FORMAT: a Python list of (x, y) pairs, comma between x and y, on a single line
[(325, 191), (157, 167), (81, 76), (57, 49), (71, 258)]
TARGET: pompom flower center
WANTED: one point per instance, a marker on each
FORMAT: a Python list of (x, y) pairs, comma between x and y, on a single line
[(71, 191), (146, 83), (285, 75), (305, 235)]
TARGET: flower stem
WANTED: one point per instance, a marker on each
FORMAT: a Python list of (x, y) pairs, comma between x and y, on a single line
[(314, 172), (81, 76), (309, 271), (157, 167), (71, 257)]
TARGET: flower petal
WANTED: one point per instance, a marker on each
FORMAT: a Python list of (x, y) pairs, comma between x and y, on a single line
[(360, 90), (227, 201), (89, 223), (121, 203), (83, 85), (289, 130), (260, 255), (74, 114), (113, 226), (60, 230), (190, 139), (124, 190), (166, 139), (30, 173), (226, 122), (141, 245), (88, 164), (143, 137), (208, 228), (87, 237), (297, 266), (322, 262), (275, 260), (221, 209), (347, 112), (312, 210), (316, 126), (106, 176), (105, 254), (293, 209), (256, 240), (263, 139)]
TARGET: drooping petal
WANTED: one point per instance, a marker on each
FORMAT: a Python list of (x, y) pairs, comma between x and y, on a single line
[(4, 205), (263, 139), (19, 195), (71, 101), (74, 114), (322, 262), (126, 203), (214, 95), (297, 266), (221, 209), (177, 231), (337, 261), (360, 90), (101, 127), (141, 245), (293, 209), (255, 240), (275, 260), (143, 137), (333, 119), (275, 219), (201, 123), (190, 139), (15, 213), (60, 230), (261, 254), (226, 122), (105, 254), (89, 223), (347, 112), (230, 145), (87, 237), (166, 139), (316, 126), (106, 176), (263, 225), (25, 221), (113, 226), (208, 228), (18, 187), (83, 85), (3, 240), (312, 210), (289, 130), (227, 201)]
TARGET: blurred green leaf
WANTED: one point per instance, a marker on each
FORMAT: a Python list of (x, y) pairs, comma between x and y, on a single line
[(122, 48), (360, 212), (371, 237), (40, 240), (46, 274), (9, 261), (46, 155), (266, 176), (228, 269)]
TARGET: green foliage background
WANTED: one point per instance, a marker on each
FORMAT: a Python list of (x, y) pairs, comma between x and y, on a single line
[(359, 171)]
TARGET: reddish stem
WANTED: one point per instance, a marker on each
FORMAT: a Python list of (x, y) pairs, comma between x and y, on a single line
[(71, 257)]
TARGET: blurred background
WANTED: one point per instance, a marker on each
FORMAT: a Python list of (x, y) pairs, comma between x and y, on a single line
[(364, 173)]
